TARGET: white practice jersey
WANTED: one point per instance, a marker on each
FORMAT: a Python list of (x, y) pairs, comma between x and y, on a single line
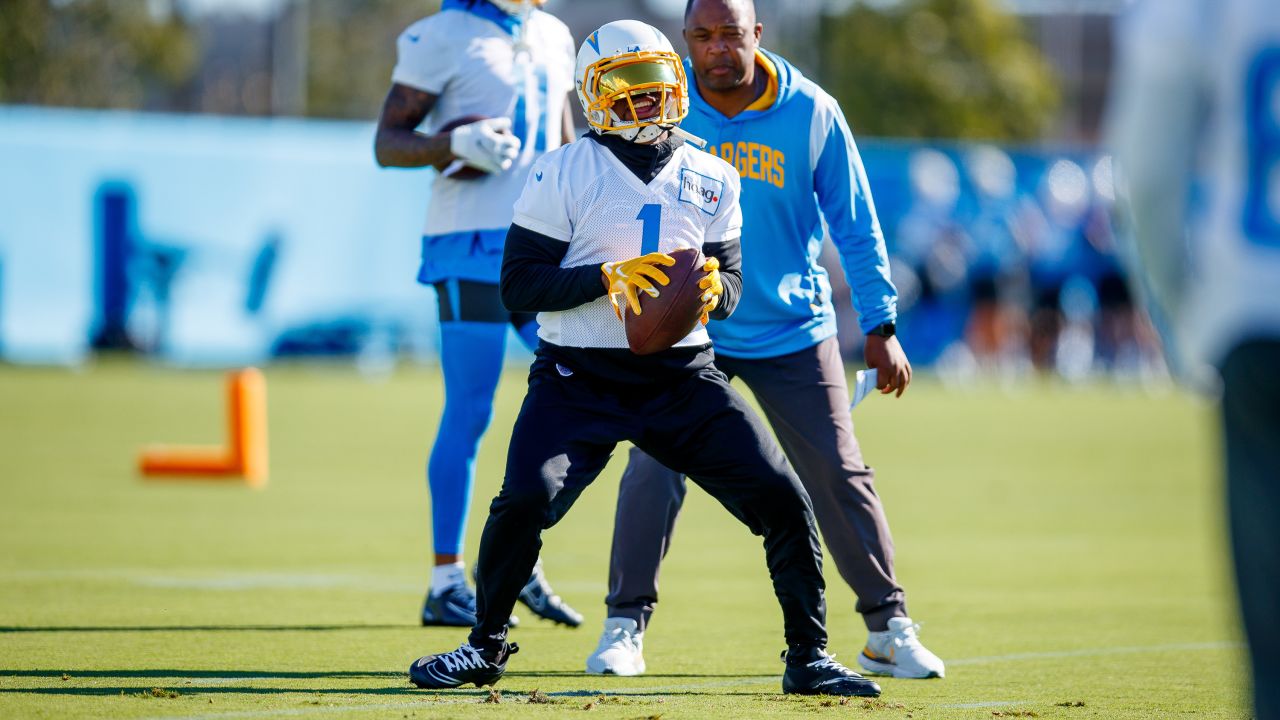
[(583, 195), (1196, 132), (475, 68)]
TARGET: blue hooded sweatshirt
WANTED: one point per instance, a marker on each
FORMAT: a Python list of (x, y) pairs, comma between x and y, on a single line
[(798, 164)]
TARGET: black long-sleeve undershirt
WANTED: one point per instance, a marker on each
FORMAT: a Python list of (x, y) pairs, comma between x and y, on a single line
[(532, 279), (729, 254)]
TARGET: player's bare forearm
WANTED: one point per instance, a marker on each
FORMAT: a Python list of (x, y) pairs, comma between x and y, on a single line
[(409, 149), (398, 143)]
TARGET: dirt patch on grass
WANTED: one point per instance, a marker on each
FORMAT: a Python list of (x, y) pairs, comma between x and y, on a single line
[(156, 693)]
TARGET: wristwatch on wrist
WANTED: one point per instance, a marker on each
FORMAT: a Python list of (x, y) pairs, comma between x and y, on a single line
[(884, 330)]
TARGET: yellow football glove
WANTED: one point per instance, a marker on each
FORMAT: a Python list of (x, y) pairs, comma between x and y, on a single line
[(712, 289), (623, 277)]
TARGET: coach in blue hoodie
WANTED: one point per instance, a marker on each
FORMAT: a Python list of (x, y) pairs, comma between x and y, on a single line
[(790, 143)]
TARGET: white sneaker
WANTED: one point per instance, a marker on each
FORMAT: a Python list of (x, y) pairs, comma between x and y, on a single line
[(620, 650), (898, 652)]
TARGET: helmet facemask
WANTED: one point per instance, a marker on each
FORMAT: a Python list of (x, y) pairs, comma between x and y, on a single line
[(624, 81)]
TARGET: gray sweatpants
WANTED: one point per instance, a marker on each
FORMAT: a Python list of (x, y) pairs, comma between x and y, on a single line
[(806, 400)]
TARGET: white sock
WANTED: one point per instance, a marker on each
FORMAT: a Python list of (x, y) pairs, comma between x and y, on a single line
[(444, 577)]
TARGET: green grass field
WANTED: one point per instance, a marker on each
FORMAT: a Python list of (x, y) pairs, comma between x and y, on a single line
[(1063, 547)]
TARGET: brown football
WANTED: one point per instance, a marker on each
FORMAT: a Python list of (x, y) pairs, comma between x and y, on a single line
[(465, 172), (666, 319)]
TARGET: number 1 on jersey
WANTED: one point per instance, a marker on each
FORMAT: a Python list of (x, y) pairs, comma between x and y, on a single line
[(651, 217)]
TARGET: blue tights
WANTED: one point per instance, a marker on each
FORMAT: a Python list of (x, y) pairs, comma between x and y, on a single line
[(471, 357)]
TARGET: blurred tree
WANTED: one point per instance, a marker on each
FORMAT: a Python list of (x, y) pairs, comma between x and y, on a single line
[(351, 50), (94, 53), (937, 69)]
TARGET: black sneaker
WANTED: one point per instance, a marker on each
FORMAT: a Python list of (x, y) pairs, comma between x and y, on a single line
[(539, 597), (462, 666), (455, 607), (811, 671)]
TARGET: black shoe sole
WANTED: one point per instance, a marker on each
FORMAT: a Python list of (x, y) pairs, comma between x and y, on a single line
[(869, 693), (485, 683), (852, 687), (426, 684)]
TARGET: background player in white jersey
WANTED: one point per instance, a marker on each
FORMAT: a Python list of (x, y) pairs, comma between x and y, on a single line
[(504, 69), (630, 191), (1196, 132)]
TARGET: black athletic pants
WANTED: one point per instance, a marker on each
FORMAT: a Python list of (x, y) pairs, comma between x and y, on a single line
[(699, 425), (1251, 424)]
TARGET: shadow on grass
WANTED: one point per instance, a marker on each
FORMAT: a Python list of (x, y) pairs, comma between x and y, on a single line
[(195, 674), (191, 628), (218, 690), (513, 674), (303, 675), (178, 681), (511, 695)]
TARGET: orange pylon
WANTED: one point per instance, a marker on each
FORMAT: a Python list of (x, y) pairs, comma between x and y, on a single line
[(244, 456)]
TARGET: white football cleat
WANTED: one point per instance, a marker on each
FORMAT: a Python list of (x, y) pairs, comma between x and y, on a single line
[(620, 651), (898, 652)]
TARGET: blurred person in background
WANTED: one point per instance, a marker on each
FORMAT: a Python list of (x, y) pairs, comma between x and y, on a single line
[(1116, 327), (1195, 127), (790, 144), (1127, 346), (930, 242), (1053, 257), (996, 330), (497, 74)]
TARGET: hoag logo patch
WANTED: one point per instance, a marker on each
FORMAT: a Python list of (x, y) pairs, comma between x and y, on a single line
[(700, 190)]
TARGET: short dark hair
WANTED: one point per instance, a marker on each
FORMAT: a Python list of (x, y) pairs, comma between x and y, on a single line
[(688, 8)]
